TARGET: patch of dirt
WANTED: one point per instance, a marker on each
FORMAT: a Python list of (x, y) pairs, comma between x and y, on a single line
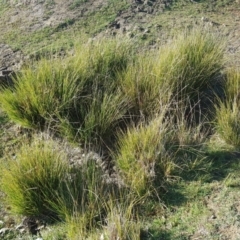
[(137, 14), (143, 19), (223, 221), (34, 15), (10, 60)]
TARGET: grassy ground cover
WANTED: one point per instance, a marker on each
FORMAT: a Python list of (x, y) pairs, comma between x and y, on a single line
[(57, 37), (156, 28), (118, 142), (157, 119)]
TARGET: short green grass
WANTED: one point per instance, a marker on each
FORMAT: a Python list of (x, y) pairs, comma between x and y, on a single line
[(60, 38), (197, 208)]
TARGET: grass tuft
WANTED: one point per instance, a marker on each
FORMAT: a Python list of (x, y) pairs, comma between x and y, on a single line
[(142, 156), (77, 95), (32, 179), (191, 65), (227, 112)]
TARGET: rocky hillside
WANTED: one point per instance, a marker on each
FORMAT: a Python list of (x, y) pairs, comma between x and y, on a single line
[(36, 27), (28, 27), (35, 15)]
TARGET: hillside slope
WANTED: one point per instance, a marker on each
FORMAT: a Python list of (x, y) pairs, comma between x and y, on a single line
[(105, 112), (35, 27)]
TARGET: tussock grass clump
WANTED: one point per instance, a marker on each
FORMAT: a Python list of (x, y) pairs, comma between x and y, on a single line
[(187, 69), (118, 220), (92, 93), (41, 94), (187, 143), (79, 94), (141, 86), (227, 111), (32, 180), (41, 182), (228, 122), (152, 155), (122, 218), (191, 64), (82, 191), (232, 85), (142, 155), (144, 89)]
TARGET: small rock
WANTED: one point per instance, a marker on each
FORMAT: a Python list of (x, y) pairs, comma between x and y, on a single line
[(4, 231), (213, 216), (20, 227), (22, 231)]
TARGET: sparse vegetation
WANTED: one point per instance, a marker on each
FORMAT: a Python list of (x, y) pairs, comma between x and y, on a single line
[(76, 4)]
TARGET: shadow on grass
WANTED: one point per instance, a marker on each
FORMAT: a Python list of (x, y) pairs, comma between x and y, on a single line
[(3, 119), (193, 187), (155, 234), (223, 163), (215, 166), (173, 196)]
